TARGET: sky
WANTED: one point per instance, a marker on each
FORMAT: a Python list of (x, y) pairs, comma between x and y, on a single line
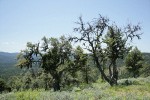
[(23, 21)]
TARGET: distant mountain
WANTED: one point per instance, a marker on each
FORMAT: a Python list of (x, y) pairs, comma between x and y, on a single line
[(8, 57), (7, 65)]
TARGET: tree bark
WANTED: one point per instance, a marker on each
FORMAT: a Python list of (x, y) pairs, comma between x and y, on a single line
[(56, 80), (56, 85), (101, 70), (115, 73)]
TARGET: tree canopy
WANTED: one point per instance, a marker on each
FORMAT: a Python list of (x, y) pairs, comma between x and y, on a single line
[(134, 62), (93, 35)]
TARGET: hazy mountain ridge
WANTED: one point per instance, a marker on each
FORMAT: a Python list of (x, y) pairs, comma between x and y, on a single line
[(7, 65), (8, 57)]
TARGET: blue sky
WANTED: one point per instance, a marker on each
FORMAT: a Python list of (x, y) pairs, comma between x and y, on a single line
[(29, 20)]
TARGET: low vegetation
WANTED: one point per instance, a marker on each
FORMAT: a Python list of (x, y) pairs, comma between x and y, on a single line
[(127, 89)]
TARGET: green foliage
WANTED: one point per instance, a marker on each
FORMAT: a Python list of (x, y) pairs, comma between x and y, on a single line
[(80, 64), (66, 65), (115, 49), (134, 62), (145, 71), (116, 43), (2, 85), (30, 80), (52, 55)]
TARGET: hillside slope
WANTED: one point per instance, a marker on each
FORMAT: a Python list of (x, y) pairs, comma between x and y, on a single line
[(7, 65)]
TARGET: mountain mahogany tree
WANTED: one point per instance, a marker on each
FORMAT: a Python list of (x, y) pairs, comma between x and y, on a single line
[(51, 56), (97, 34), (134, 62), (115, 49), (78, 64), (80, 61)]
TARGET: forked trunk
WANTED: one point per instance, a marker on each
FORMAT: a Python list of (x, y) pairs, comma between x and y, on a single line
[(101, 70), (114, 77)]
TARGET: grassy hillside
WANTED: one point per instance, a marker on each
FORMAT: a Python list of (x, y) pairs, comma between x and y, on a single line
[(128, 89)]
